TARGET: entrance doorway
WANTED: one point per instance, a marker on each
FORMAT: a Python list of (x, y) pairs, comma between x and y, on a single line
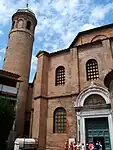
[(101, 140), (97, 130)]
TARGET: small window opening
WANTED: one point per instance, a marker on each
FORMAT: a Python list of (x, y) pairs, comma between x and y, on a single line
[(13, 24), (59, 124), (92, 70), (60, 76), (28, 26)]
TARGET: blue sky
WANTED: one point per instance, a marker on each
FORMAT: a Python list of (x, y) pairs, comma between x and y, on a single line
[(59, 21)]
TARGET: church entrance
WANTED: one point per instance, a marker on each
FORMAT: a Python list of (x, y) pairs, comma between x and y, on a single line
[(97, 129), (94, 116)]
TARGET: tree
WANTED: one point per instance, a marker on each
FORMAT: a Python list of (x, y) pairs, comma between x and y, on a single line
[(7, 116)]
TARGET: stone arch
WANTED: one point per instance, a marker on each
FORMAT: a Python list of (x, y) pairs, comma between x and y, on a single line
[(59, 108), (91, 90), (94, 99), (98, 37), (20, 23)]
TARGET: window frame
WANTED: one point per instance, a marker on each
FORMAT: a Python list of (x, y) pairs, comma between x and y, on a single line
[(92, 71), (60, 76), (28, 25), (59, 120), (13, 24)]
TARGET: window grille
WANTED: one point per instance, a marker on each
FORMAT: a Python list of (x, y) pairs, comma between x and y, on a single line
[(59, 121), (92, 70), (60, 76)]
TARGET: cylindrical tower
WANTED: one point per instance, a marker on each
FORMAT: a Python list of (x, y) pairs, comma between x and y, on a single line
[(18, 57)]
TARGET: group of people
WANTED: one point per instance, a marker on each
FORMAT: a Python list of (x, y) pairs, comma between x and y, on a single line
[(78, 146), (94, 146), (74, 146)]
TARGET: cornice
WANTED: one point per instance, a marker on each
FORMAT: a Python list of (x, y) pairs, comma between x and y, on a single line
[(53, 97)]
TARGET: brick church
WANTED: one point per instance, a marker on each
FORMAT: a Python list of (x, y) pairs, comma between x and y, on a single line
[(69, 96)]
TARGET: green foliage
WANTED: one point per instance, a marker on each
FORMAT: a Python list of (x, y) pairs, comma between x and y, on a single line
[(7, 116)]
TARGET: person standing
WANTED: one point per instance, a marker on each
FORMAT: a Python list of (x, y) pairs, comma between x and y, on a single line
[(83, 147), (78, 146), (66, 145), (100, 146), (91, 146), (97, 145), (71, 146), (74, 146)]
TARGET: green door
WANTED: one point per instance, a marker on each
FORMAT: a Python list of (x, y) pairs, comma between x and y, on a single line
[(97, 130)]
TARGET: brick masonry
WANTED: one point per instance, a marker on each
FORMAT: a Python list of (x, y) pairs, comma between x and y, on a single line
[(18, 59), (43, 97), (74, 62)]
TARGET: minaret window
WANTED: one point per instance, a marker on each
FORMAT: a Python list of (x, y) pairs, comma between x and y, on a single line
[(59, 120), (13, 24), (28, 26), (92, 69), (20, 23), (60, 76)]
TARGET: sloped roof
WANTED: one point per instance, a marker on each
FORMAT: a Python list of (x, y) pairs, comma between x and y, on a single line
[(9, 74), (88, 31), (76, 38)]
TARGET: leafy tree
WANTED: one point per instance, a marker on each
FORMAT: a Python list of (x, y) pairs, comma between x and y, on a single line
[(7, 116)]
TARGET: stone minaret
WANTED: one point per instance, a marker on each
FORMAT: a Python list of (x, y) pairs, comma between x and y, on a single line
[(18, 57)]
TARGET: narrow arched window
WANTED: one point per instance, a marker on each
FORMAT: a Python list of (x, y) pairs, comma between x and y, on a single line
[(60, 76), (28, 25), (59, 124), (20, 24), (13, 24), (92, 69)]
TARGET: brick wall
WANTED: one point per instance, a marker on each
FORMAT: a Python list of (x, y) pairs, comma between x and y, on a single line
[(49, 96)]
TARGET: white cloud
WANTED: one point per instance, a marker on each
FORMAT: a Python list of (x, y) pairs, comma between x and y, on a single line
[(58, 20), (33, 62), (62, 18), (2, 50), (0, 58), (2, 53), (99, 12), (1, 32), (87, 27)]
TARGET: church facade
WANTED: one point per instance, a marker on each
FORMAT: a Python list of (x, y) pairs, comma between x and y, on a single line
[(68, 98)]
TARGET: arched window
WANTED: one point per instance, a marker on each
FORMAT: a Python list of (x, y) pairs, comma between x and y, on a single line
[(59, 124), (28, 25), (94, 99), (92, 69), (60, 76), (13, 24), (20, 24)]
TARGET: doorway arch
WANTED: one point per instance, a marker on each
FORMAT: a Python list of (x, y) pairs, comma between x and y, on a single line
[(100, 96)]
